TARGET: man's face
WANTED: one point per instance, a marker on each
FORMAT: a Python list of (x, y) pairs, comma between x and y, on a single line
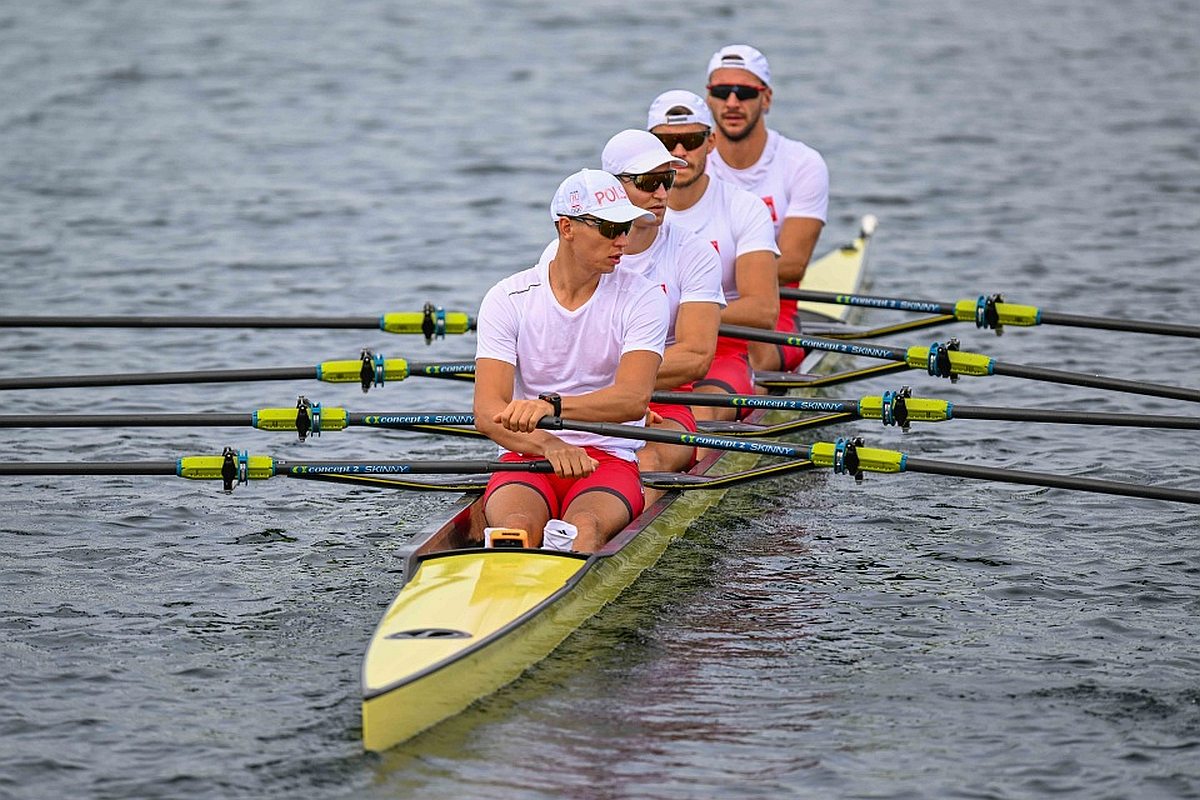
[(692, 143), (737, 117), (592, 249), (649, 191)]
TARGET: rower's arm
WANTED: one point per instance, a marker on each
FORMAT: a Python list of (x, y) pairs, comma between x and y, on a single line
[(493, 394), (628, 397), (797, 240), (758, 288), (689, 358)]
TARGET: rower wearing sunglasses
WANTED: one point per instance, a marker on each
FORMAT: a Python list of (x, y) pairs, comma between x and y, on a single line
[(575, 337), (788, 175), (687, 268), (736, 224)]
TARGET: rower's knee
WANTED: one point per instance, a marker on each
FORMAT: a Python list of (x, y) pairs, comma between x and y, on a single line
[(590, 537)]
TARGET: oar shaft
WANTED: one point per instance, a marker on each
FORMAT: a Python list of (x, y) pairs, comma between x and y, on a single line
[(240, 322), (88, 468), (213, 420), (1050, 480), (867, 301), (429, 323), (344, 371), (1095, 381), (714, 400), (1075, 417), (157, 378), (1113, 324)]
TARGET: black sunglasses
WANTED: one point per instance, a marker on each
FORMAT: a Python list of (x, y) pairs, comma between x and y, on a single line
[(609, 230), (650, 181), (721, 91), (690, 141)]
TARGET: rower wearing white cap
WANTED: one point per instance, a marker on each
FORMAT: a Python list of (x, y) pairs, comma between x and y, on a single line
[(788, 175), (736, 224), (574, 336), (687, 268)]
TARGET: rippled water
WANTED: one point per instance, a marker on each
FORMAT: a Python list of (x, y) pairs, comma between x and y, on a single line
[(912, 637)]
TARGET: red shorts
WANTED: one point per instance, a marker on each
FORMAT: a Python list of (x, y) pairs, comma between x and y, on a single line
[(679, 414), (730, 370), (614, 475), (789, 322)]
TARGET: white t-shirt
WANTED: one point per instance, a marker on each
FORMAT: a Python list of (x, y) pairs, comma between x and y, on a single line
[(790, 177), (682, 263), (734, 222), (521, 323)]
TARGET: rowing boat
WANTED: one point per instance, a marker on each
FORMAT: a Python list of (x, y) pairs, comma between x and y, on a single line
[(468, 620)]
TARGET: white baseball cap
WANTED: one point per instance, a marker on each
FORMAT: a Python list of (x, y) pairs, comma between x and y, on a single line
[(632, 152), (594, 193), (741, 56), (688, 108)]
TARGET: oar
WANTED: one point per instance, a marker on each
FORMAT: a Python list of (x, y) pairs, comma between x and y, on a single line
[(369, 370), (848, 456), (944, 360), (901, 408), (433, 322), (239, 467), (993, 312), (897, 408), (305, 418)]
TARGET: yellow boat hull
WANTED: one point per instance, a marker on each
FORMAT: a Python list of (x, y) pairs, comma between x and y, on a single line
[(468, 621)]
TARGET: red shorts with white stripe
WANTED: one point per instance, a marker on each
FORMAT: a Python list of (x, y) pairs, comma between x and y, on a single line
[(616, 476)]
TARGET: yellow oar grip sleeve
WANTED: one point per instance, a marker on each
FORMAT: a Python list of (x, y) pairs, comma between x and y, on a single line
[(284, 419), (394, 369), (1006, 313), (411, 321), (960, 363), (920, 409), (207, 468), (870, 459)]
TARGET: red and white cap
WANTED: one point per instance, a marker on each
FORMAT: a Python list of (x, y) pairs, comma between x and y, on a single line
[(594, 193), (632, 152), (741, 56), (687, 107)]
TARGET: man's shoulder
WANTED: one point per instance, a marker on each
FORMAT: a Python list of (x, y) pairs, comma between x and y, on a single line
[(522, 282), (782, 149)]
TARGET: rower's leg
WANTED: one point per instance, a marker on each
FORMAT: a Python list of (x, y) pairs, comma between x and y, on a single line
[(598, 515), (659, 457), (709, 412), (516, 505)]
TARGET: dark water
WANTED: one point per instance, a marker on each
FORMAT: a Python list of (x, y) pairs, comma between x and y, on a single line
[(912, 637)]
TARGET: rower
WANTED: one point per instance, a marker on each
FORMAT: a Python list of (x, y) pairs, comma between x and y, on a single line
[(687, 268), (571, 336), (789, 176), (735, 223)]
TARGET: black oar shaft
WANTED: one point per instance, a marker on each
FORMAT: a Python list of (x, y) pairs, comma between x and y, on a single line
[(157, 378), (715, 400), (867, 301), (213, 420), (1127, 325), (88, 468), (1095, 381), (1075, 417), (1050, 480), (361, 323)]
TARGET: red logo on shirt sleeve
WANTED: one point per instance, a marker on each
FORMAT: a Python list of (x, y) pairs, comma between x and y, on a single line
[(770, 201)]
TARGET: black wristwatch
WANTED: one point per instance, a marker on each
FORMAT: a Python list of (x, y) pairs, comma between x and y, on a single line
[(554, 400)]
